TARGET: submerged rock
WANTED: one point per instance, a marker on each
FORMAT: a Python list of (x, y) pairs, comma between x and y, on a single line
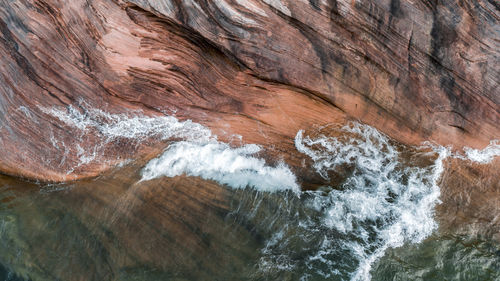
[(259, 86)]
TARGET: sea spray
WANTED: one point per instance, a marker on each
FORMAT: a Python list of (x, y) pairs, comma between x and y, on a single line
[(384, 203), (133, 125), (196, 153), (235, 167), (339, 233), (97, 131), (483, 156)]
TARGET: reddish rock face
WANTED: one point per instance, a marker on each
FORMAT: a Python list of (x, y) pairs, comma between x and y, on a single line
[(425, 69), (471, 198), (261, 69)]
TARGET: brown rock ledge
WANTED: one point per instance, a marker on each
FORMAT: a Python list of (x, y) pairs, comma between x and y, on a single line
[(417, 71)]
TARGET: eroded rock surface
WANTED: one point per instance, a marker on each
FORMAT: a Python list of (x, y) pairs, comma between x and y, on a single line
[(422, 70)]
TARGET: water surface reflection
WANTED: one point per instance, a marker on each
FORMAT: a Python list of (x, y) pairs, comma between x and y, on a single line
[(117, 228)]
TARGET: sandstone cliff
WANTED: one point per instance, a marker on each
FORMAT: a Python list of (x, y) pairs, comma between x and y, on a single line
[(421, 70)]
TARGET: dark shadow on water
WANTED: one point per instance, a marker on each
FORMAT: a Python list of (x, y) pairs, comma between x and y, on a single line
[(6, 275)]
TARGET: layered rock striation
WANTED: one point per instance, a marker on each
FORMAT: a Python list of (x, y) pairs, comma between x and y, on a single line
[(422, 70)]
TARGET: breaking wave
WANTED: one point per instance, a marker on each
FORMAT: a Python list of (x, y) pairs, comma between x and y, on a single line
[(385, 202), (386, 198), (235, 167), (198, 153)]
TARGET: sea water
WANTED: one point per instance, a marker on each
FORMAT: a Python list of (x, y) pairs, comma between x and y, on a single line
[(384, 200)]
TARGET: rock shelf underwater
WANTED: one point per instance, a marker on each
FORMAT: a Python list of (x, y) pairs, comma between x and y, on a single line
[(249, 140)]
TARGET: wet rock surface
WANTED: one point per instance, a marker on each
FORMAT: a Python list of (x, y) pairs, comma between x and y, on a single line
[(416, 71)]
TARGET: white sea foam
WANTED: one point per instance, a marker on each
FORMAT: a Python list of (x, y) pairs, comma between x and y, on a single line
[(387, 200), (97, 130), (383, 204), (235, 167), (485, 155), (133, 126), (27, 113), (198, 153)]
